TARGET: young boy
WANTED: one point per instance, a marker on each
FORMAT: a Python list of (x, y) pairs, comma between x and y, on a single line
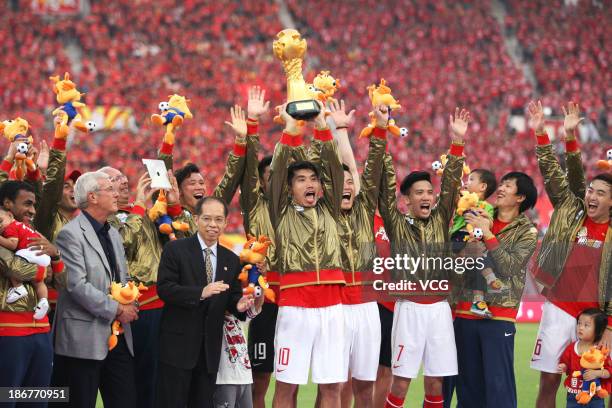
[(15, 236), (234, 377), (483, 183)]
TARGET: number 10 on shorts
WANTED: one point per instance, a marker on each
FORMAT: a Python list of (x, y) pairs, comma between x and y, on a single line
[(283, 356)]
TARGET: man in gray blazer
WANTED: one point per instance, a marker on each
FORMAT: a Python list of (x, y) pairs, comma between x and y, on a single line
[(93, 254)]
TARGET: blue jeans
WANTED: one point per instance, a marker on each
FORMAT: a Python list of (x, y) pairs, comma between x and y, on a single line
[(596, 402)]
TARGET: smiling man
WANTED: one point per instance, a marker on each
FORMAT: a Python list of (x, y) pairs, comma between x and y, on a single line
[(574, 263), (304, 208), (424, 230)]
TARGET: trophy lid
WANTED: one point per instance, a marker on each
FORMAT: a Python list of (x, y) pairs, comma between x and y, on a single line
[(289, 45)]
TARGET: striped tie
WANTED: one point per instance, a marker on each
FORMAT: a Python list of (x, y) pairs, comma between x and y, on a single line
[(209, 268)]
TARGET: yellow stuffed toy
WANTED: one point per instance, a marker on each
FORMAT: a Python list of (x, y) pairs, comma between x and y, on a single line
[(469, 201), (381, 95), (593, 359), (124, 294), (71, 110), (172, 115), (159, 215), (17, 130), (327, 84), (606, 164), (254, 252)]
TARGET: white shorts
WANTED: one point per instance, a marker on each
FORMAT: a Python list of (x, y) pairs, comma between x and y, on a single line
[(557, 329), (310, 338), (362, 340), (423, 333)]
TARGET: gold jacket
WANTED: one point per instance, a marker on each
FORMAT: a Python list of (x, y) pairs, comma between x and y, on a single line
[(567, 196), (517, 242), (307, 239), (417, 237), (48, 221), (254, 202), (356, 226)]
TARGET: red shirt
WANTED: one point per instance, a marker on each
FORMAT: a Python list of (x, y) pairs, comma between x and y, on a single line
[(498, 226), (20, 231), (571, 359), (577, 288)]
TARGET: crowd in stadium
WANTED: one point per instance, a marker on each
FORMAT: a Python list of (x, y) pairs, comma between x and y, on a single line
[(109, 285)]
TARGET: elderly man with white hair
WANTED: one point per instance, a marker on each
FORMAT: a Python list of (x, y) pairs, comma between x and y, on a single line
[(93, 253)]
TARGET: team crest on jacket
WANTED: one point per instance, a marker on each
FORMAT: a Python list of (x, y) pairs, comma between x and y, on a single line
[(583, 240)]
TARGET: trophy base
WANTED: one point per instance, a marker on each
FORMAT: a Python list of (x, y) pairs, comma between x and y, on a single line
[(303, 110)]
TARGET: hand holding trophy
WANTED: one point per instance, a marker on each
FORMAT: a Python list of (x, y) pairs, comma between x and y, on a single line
[(290, 48)]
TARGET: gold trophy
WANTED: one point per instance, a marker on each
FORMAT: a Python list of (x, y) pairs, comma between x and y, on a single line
[(290, 48)]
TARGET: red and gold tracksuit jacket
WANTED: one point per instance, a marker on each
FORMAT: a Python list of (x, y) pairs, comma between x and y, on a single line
[(307, 239)]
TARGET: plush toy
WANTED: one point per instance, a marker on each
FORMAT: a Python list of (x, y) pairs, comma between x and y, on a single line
[(15, 129), (381, 95), (327, 84), (467, 202), (172, 115), (254, 252), (124, 294), (159, 215), (71, 110), (591, 360), (439, 165), (606, 164)]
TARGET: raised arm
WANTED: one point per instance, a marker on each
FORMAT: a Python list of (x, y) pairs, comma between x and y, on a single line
[(555, 180), (573, 157), (451, 177), (372, 172), (251, 192), (324, 153), (52, 189), (339, 122), (234, 169), (283, 152)]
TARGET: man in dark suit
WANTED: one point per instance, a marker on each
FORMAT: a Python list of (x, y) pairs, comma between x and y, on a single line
[(197, 280)]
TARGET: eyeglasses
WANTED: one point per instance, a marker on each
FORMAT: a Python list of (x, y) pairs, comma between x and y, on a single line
[(108, 189), (209, 220)]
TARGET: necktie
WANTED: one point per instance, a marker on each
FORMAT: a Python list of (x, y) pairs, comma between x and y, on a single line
[(209, 268)]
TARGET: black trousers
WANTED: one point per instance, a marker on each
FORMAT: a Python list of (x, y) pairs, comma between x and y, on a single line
[(114, 376), (485, 353), (180, 388), (145, 332)]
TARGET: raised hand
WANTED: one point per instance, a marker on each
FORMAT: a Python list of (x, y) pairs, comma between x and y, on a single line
[(381, 114), (536, 116), (42, 162), (173, 196), (290, 123), (458, 123), (142, 188), (238, 123), (572, 118), (338, 114), (256, 107)]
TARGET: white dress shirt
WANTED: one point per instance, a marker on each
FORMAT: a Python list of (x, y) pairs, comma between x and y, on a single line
[(213, 256)]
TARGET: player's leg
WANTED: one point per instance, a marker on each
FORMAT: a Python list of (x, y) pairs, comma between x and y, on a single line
[(407, 349), (328, 358), (363, 361), (383, 376), (261, 351), (469, 358), (557, 329), (296, 328), (440, 356), (497, 340)]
